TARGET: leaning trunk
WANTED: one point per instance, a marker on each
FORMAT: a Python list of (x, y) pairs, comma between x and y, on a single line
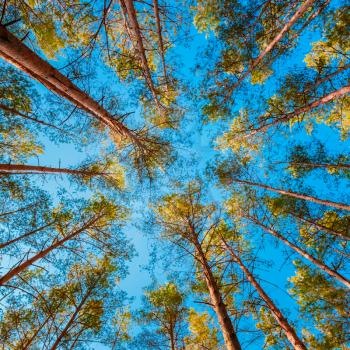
[(337, 205), (15, 52), (228, 332), (17, 270), (281, 320), (303, 253)]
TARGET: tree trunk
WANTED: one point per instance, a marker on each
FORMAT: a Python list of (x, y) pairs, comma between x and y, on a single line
[(303, 253), (281, 320), (27, 234), (26, 116), (15, 52), (160, 37), (15, 271), (302, 9), (322, 165), (287, 116), (321, 227), (342, 206), (135, 28), (228, 332), (35, 169), (71, 320)]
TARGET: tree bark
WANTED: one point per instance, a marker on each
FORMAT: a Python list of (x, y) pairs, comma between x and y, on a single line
[(71, 320), (27, 234), (135, 28), (287, 116), (15, 271), (26, 116), (342, 206), (36, 169), (227, 329), (160, 37), (321, 227), (301, 10), (281, 320), (15, 52), (303, 253)]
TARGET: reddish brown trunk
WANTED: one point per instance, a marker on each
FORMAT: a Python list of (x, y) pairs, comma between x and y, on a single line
[(302, 9), (287, 116), (15, 271), (228, 332), (296, 195), (27, 234), (135, 28), (25, 116), (36, 169), (303, 253), (71, 320), (15, 52), (160, 37), (321, 165), (281, 320), (342, 235)]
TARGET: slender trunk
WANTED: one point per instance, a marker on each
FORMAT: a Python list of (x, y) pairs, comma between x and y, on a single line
[(26, 116), (29, 342), (15, 271), (302, 9), (160, 37), (281, 320), (27, 234), (321, 165), (135, 28), (287, 116), (172, 337), (343, 235), (228, 332), (15, 52), (72, 319), (296, 195), (302, 252), (35, 169)]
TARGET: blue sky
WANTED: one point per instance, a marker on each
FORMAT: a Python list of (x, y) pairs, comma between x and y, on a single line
[(194, 142)]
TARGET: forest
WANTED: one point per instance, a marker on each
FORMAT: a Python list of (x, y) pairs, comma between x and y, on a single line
[(174, 174)]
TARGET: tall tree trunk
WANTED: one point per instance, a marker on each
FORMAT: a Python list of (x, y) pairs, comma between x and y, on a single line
[(15, 271), (36, 169), (27, 234), (26, 116), (160, 37), (15, 52), (228, 332), (301, 10), (288, 116), (172, 337), (71, 320), (135, 28), (343, 235), (322, 165), (295, 195), (281, 320), (302, 252)]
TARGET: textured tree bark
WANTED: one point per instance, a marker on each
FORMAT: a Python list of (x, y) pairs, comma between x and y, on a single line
[(287, 116), (321, 227), (281, 320), (228, 332), (15, 52), (303, 253), (296, 195), (27, 234), (36, 169), (302, 9), (135, 28), (15, 271)]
